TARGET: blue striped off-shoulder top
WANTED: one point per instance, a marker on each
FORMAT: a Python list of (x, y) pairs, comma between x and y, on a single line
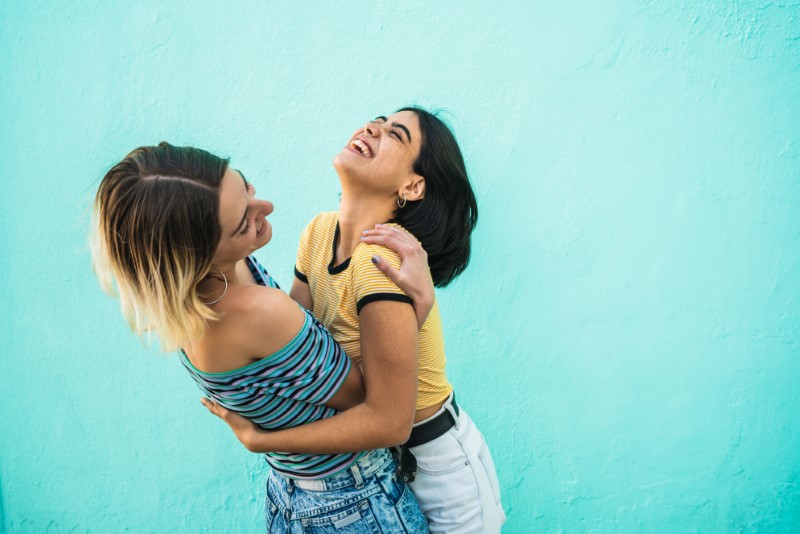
[(286, 389)]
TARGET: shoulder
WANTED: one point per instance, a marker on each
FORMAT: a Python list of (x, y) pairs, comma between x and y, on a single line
[(370, 283), (322, 222), (258, 309), (364, 252), (261, 301), (262, 319)]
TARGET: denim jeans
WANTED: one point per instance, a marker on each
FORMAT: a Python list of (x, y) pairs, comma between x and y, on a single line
[(366, 497)]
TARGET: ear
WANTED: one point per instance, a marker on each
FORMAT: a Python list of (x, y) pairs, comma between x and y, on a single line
[(415, 190)]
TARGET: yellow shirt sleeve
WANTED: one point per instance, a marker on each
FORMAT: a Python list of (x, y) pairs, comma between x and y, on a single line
[(302, 265), (368, 282)]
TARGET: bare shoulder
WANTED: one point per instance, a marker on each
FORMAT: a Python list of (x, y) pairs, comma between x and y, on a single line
[(261, 320)]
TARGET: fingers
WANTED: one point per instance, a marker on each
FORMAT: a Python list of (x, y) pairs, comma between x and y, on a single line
[(213, 407), (386, 268), (397, 239), (390, 231)]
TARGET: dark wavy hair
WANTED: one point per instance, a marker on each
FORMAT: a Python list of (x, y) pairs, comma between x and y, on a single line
[(444, 219)]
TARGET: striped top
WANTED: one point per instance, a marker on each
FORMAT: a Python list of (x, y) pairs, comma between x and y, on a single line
[(339, 292), (286, 389)]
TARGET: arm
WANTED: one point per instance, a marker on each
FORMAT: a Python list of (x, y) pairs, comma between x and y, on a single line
[(413, 277), (301, 294), (389, 359)]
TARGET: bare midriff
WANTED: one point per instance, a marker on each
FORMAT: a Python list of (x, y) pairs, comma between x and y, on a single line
[(424, 413)]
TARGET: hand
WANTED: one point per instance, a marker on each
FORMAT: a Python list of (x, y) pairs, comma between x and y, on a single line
[(244, 429), (413, 277)]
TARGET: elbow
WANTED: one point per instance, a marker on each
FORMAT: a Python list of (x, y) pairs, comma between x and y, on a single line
[(249, 445), (399, 432), (402, 436)]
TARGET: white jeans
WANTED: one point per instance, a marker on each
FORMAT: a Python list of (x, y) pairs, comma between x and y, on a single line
[(456, 484)]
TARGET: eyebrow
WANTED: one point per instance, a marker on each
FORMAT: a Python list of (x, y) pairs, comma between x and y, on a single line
[(396, 125), (244, 217)]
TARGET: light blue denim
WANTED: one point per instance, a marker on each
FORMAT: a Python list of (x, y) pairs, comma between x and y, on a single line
[(365, 497)]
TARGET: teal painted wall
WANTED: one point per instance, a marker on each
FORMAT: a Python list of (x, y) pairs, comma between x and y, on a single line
[(626, 335)]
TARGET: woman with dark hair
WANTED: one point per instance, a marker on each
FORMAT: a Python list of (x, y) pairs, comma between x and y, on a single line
[(405, 170), (174, 228)]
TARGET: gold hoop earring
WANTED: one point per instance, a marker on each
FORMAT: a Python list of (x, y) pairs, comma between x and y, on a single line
[(401, 201)]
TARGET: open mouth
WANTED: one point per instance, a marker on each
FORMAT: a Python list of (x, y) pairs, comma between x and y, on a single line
[(261, 229), (361, 147)]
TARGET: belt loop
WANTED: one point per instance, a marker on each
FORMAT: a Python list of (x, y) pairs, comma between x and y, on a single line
[(448, 405), (357, 475)]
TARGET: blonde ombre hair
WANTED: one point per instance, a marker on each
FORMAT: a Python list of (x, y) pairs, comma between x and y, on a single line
[(155, 228)]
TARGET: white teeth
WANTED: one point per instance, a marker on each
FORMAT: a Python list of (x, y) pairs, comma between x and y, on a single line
[(362, 146)]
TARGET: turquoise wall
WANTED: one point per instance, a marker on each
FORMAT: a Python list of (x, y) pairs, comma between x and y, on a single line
[(626, 335)]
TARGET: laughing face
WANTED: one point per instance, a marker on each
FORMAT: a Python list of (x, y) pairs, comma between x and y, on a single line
[(243, 217), (380, 156)]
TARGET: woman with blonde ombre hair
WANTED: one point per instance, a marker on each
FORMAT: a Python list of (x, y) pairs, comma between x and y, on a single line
[(174, 229)]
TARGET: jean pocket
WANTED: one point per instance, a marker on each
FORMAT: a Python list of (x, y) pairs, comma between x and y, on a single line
[(442, 456), (409, 513), (487, 463), (353, 519)]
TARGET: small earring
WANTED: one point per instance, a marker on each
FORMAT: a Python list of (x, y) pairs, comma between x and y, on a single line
[(401, 201)]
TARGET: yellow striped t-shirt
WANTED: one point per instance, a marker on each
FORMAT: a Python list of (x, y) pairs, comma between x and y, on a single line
[(340, 291)]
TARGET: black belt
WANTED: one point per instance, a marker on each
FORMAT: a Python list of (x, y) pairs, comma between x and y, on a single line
[(424, 433), (434, 428)]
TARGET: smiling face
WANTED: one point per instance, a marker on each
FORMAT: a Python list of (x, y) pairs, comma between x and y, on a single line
[(243, 217), (379, 157)]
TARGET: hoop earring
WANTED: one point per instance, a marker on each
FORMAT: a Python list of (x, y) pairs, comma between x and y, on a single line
[(225, 279), (401, 201)]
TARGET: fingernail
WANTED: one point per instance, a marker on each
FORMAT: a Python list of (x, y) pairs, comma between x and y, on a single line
[(375, 260), (364, 231)]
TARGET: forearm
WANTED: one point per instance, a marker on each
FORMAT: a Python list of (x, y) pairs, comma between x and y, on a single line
[(360, 428), (385, 418)]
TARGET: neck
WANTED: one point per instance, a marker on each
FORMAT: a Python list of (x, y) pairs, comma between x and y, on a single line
[(214, 284), (356, 214)]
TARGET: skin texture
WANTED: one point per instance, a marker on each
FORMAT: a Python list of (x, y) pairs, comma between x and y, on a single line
[(375, 169)]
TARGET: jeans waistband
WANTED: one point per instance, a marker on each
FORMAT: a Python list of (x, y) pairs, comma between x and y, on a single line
[(369, 463)]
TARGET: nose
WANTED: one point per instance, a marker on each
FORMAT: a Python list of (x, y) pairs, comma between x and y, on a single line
[(371, 129), (269, 208), (261, 208)]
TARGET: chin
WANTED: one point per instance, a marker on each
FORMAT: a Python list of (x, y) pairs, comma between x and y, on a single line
[(340, 162), (267, 236)]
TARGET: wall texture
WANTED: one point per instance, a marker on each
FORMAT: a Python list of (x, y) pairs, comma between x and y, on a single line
[(626, 335)]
